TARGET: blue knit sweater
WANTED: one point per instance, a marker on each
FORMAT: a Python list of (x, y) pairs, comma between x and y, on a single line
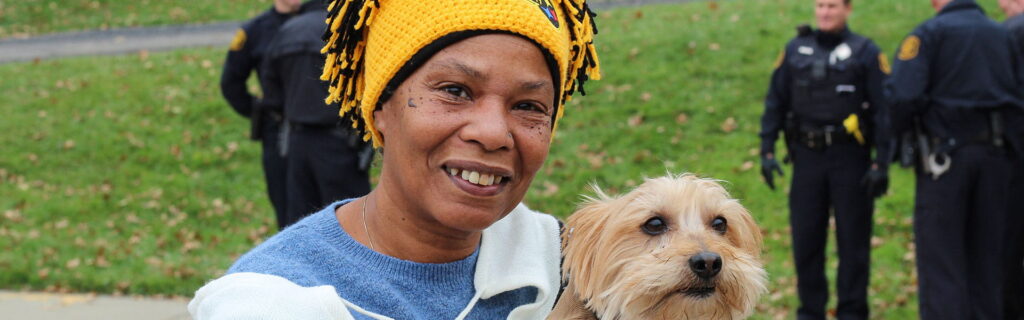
[(317, 251)]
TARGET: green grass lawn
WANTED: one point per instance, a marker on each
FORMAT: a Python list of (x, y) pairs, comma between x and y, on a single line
[(130, 174), (32, 17)]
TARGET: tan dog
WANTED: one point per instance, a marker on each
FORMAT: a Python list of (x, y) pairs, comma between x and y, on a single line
[(676, 247)]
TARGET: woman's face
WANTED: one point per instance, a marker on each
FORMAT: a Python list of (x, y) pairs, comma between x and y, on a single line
[(465, 134)]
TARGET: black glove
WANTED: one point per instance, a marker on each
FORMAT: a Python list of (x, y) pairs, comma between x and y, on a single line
[(768, 166), (876, 182)]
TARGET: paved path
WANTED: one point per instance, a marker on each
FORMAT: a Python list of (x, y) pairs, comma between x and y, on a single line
[(47, 306), (116, 41), (128, 40)]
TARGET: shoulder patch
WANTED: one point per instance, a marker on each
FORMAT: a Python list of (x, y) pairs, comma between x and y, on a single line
[(239, 41), (909, 48), (883, 63), (778, 61)]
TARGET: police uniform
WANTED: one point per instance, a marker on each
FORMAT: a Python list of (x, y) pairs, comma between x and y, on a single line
[(245, 55), (323, 157), (1014, 302), (826, 94), (958, 76)]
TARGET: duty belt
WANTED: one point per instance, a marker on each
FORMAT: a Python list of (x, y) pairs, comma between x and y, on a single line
[(826, 136)]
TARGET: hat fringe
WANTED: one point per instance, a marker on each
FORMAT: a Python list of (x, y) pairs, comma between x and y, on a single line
[(347, 21), (583, 62)]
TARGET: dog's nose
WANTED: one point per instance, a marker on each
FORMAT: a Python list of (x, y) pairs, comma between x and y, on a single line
[(706, 264)]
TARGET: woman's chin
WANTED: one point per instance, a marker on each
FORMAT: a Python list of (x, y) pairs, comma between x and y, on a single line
[(473, 218)]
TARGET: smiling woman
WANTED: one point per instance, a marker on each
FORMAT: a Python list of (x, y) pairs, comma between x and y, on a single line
[(463, 97)]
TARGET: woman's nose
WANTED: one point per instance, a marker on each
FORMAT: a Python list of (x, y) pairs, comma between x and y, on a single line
[(488, 126)]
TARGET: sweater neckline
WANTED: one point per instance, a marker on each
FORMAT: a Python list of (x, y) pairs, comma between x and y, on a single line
[(455, 273)]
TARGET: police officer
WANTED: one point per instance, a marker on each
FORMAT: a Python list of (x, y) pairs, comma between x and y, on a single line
[(246, 54), (1014, 302), (826, 95), (956, 80), (325, 161)]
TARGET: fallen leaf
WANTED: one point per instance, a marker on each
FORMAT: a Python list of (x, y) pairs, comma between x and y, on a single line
[(596, 160), (635, 120), (558, 163), (13, 215), (549, 189), (646, 96), (69, 144), (73, 263), (712, 5), (642, 156), (682, 118), (714, 46), (729, 125), (747, 166)]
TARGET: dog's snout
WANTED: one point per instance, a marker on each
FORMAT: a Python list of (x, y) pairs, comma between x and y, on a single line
[(706, 264)]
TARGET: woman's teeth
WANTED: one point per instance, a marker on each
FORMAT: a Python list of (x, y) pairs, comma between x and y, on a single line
[(474, 177)]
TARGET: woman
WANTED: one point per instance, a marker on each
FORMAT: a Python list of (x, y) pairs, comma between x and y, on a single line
[(463, 97)]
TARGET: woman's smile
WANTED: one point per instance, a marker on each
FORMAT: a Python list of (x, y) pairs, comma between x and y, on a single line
[(476, 178)]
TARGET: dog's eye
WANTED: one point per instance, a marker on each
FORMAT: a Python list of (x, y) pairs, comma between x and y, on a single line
[(654, 226), (720, 225)]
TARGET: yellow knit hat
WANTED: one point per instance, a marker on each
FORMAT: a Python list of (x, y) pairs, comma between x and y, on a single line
[(373, 45)]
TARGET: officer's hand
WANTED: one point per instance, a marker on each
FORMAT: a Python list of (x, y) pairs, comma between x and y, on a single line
[(768, 167), (876, 181)]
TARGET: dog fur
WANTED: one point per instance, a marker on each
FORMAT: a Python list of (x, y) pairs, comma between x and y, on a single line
[(616, 270)]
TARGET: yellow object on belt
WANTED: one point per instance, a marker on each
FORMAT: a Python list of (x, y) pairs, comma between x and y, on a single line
[(852, 125)]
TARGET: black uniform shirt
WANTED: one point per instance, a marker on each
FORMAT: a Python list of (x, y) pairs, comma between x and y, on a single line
[(951, 65), (779, 101), (291, 74), (246, 54), (1016, 26)]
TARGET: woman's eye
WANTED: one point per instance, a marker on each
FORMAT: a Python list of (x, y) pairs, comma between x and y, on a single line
[(720, 225), (456, 91), (530, 107), (654, 226)]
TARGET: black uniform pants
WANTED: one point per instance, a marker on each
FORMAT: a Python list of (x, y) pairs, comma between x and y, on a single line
[(275, 168), (823, 180), (959, 236), (322, 168), (1014, 302)]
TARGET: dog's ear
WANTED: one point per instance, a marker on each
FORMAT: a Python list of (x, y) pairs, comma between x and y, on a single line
[(581, 238), (749, 234)]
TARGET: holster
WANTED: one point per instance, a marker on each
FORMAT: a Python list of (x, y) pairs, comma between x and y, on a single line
[(261, 113), (790, 130), (907, 150), (256, 122)]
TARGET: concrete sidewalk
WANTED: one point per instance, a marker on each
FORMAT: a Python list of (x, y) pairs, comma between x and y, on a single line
[(46, 306), (117, 41)]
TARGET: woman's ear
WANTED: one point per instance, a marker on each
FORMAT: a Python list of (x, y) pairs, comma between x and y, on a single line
[(380, 120)]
